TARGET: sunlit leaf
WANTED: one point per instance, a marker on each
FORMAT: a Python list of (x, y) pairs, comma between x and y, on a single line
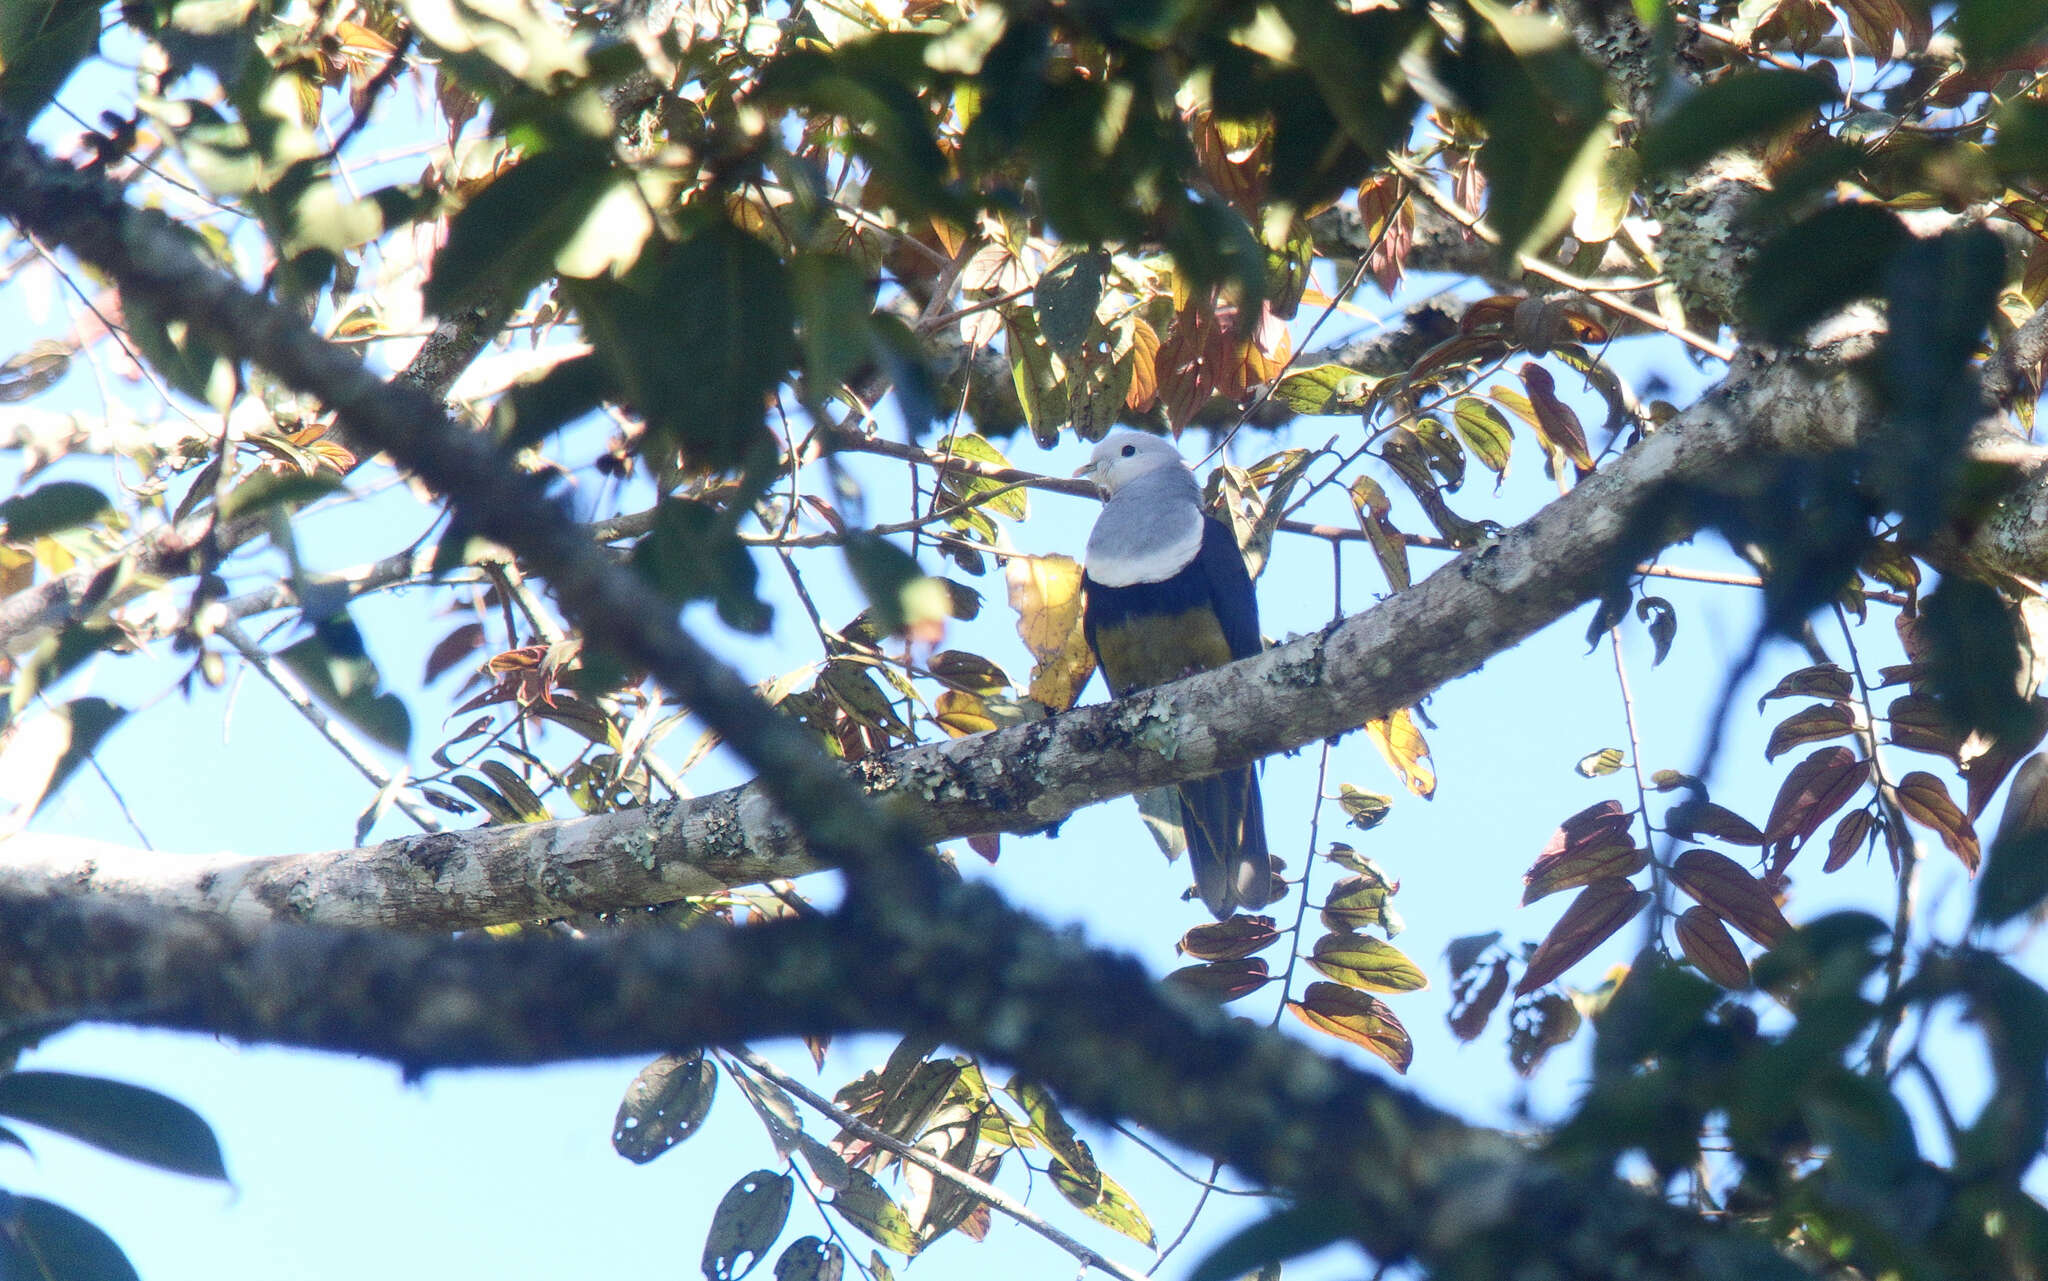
[(1600, 764), (1046, 593), (1926, 801), (1230, 940), (866, 1206), (1400, 742), (1366, 963), (1364, 809), (1357, 1017)]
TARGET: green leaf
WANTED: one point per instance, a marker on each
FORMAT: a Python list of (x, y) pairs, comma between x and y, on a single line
[(1366, 963), (535, 408), (664, 1105), (834, 299), (334, 665), (1747, 105), (1816, 267), (124, 1119), (693, 554), (1992, 29), (41, 43), (1283, 1235), (1325, 389), (1066, 297), (1544, 107), (50, 509), (867, 1207), (267, 489), (1485, 431), (1107, 1202), (1051, 1128), (962, 486), (698, 334), (903, 597), (504, 241), (749, 1217), (46, 1242)]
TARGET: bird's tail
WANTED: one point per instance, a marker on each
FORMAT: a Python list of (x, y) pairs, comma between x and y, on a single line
[(1226, 834)]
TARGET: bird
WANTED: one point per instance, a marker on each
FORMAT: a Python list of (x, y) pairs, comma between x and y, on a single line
[(1164, 594)]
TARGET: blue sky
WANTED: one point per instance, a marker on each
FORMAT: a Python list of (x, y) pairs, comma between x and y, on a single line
[(342, 1168)]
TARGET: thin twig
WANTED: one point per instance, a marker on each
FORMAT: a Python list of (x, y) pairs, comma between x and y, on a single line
[(995, 1196)]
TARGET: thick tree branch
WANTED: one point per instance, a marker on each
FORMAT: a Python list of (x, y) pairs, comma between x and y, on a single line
[(981, 976)]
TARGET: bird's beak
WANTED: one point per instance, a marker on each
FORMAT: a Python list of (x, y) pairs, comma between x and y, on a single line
[(1086, 471)]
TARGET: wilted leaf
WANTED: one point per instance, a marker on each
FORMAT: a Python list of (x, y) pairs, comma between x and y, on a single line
[(1366, 963), (1720, 883), (1230, 940), (664, 1105), (1599, 764), (1600, 909), (1046, 593), (810, 1259), (1708, 945), (1662, 620), (1926, 801), (1813, 791), (1356, 1017), (116, 1117), (1475, 996), (1403, 747), (1815, 724), (1364, 809), (866, 1206), (749, 1217)]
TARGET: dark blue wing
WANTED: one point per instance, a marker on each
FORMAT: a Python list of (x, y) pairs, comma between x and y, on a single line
[(1230, 588)]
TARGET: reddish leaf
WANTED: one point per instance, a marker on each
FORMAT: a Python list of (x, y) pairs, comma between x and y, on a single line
[(1816, 724), (1926, 801), (1689, 820), (454, 647), (1815, 789), (1230, 940), (1720, 883), (1824, 681), (1708, 945), (1983, 773), (1600, 909), (1851, 832), (1555, 422), (1358, 1018), (1223, 980), (1475, 996), (1583, 867)]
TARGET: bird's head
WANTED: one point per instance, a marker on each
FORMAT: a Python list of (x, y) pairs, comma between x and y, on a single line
[(1122, 458)]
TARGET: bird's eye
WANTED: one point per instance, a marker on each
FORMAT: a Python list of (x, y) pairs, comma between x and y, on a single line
[(1130, 451)]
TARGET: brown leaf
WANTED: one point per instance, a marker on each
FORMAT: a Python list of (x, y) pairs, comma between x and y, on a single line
[(1366, 963), (1046, 593), (1720, 883), (1383, 208), (1144, 387), (1691, 819), (1475, 996), (1584, 835), (1405, 750), (1926, 801), (1815, 724), (1222, 980), (1582, 867), (1539, 1025), (1918, 724), (1823, 681), (1850, 833), (1600, 909), (1185, 375), (1555, 422), (1708, 945), (1358, 1018), (1230, 940), (1814, 790)]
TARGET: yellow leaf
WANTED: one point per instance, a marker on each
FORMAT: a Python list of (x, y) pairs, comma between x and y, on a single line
[(1405, 750), (1046, 593)]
